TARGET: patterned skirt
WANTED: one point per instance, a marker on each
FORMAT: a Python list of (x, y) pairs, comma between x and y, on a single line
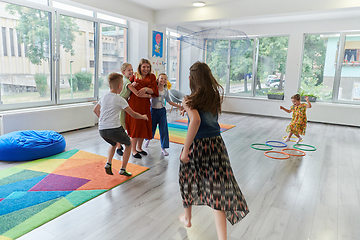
[(208, 179)]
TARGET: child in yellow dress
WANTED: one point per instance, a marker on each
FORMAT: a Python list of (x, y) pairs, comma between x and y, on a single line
[(299, 120)]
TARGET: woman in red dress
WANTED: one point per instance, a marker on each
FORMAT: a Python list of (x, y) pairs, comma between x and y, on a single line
[(137, 129)]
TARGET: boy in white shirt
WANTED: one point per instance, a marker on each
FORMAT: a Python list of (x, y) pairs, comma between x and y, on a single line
[(107, 110)]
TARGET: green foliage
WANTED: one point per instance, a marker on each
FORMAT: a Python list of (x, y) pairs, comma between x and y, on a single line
[(83, 80), (275, 93), (241, 64), (41, 83), (74, 82), (101, 82), (311, 88), (314, 58), (217, 61), (272, 57), (34, 32)]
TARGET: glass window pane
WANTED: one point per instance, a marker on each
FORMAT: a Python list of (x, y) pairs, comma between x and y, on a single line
[(271, 65), (44, 2), (112, 53), (241, 67), (217, 59), (173, 60), (349, 88), (111, 18), (74, 9), (24, 78), (319, 65), (76, 75)]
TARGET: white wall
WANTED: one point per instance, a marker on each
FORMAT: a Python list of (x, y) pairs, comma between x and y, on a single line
[(321, 112), (138, 43)]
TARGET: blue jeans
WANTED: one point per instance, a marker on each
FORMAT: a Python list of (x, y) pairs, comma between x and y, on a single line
[(158, 116)]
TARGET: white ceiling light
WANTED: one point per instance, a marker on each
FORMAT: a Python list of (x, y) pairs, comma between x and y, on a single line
[(198, 4)]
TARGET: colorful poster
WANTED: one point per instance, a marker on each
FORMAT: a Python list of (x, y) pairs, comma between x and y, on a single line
[(158, 66), (157, 44)]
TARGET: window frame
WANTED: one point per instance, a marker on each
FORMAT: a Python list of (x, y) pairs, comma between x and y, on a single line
[(256, 39), (338, 68), (54, 62)]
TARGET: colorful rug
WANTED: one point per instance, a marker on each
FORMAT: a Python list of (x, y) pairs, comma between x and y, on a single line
[(178, 130), (36, 192)]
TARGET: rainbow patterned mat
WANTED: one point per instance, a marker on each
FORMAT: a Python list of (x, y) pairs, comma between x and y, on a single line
[(178, 130), (36, 192)]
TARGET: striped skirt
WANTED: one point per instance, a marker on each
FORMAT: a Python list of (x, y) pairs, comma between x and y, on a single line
[(208, 179)]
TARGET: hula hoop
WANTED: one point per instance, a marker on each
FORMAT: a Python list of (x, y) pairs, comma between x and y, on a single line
[(287, 156), (262, 149), (305, 145), (291, 138), (284, 144), (293, 149)]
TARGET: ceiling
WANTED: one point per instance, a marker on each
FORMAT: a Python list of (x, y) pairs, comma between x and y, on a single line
[(171, 4), (183, 6)]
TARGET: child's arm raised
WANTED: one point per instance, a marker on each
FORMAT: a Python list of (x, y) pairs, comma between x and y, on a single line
[(308, 102), (286, 110), (194, 123), (96, 110), (135, 114)]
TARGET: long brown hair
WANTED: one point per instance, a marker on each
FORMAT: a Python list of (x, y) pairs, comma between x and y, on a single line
[(206, 93), (142, 61)]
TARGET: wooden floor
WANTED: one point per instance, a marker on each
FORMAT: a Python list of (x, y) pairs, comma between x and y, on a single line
[(313, 197)]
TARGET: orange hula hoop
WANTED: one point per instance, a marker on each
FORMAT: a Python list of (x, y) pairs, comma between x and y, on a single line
[(293, 149), (287, 156)]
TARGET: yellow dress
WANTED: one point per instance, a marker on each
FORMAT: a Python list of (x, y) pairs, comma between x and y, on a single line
[(299, 120)]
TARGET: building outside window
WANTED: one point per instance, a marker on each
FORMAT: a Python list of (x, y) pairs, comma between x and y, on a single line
[(29, 75)]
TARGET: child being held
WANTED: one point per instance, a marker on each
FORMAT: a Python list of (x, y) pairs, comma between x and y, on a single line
[(298, 122), (107, 110), (127, 71)]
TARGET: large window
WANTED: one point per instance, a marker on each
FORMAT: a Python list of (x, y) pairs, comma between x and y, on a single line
[(349, 86), (271, 65), (241, 68), (217, 54), (111, 53), (66, 62), (25, 80), (77, 77), (246, 73), (331, 67)]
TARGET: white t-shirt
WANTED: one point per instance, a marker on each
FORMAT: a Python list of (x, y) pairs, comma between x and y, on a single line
[(111, 105)]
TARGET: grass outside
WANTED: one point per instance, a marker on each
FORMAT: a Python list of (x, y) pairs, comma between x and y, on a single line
[(65, 93)]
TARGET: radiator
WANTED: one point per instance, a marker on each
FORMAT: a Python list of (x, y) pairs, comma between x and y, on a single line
[(59, 118)]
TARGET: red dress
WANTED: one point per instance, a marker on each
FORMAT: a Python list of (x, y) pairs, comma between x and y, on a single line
[(138, 128)]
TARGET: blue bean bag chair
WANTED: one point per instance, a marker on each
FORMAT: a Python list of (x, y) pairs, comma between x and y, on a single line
[(30, 145)]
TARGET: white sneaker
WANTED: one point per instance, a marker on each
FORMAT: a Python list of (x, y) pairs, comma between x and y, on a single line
[(164, 152), (299, 140), (286, 140), (146, 144)]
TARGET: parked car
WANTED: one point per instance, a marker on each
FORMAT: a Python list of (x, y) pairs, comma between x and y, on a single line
[(269, 78), (275, 84)]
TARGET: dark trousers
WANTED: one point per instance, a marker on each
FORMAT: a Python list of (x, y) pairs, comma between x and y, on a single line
[(158, 116)]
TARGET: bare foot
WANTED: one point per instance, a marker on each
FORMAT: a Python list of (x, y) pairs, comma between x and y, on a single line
[(182, 219)]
